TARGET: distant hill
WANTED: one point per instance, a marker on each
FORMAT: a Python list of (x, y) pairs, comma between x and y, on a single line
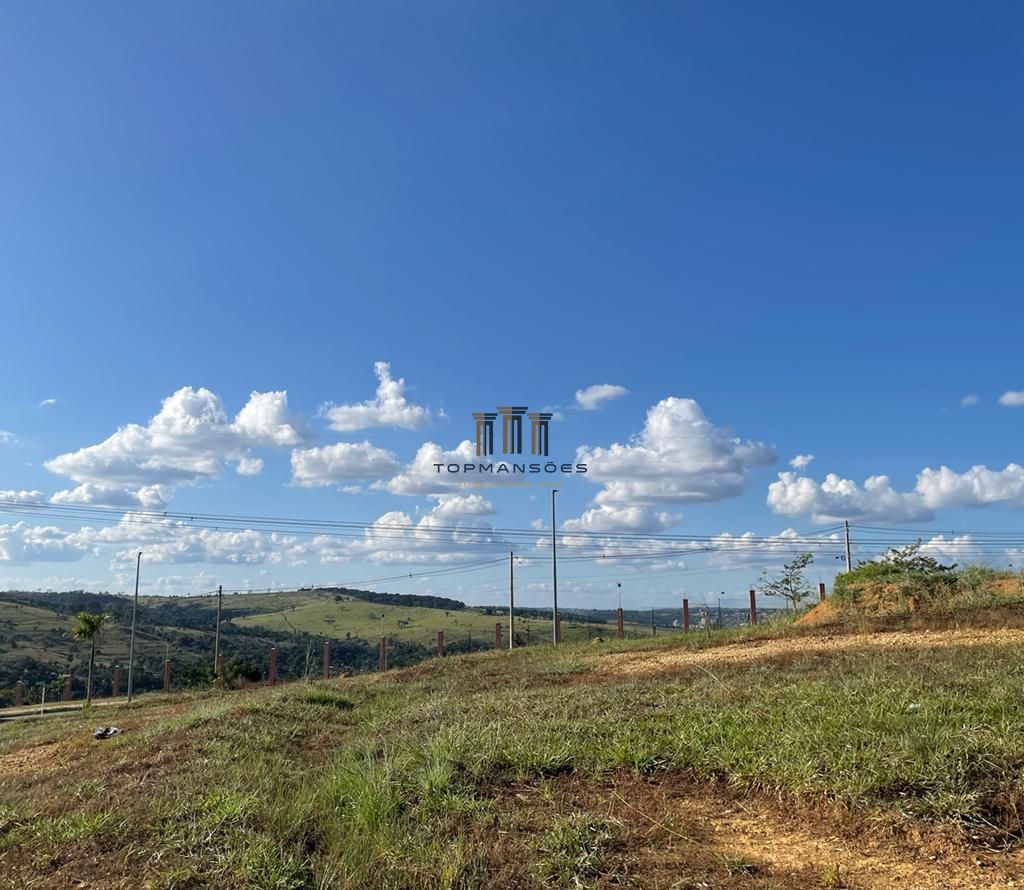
[(36, 645)]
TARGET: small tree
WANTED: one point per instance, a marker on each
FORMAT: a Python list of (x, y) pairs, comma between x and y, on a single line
[(88, 626), (910, 559), (791, 584)]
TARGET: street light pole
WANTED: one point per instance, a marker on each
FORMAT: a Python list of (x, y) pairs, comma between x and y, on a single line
[(131, 639), (554, 571), (511, 602), (216, 633)]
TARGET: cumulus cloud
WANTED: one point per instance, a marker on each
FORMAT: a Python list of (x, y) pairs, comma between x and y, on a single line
[(22, 543), (389, 408), (419, 477), (679, 457), (182, 544), (342, 462), (733, 551), (608, 518), (434, 539), (595, 396), (452, 505), (976, 487), (452, 531), (148, 497), (249, 466), (185, 441), (955, 549), (7, 438), (801, 461), (24, 495), (969, 401), (1012, 398), (836, 499)]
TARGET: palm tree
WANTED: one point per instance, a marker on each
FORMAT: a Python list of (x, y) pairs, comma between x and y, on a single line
[(88, 627)]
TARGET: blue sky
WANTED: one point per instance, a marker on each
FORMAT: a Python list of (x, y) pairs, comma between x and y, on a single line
[(805, 219)]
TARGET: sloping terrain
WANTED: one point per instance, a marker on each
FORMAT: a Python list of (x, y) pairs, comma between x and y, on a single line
[(811, 761)]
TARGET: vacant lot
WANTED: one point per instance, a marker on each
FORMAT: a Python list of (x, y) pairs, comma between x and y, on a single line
[(806, 764)]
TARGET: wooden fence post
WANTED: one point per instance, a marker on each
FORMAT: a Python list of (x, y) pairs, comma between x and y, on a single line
[(497, 635), (622, 630), (19, 694), (440, 644), (115, 686), (821, 591), (327, 660), (67, 687), (272, 672), (167, 675), (382, 655), (686, 616), (753, 608)]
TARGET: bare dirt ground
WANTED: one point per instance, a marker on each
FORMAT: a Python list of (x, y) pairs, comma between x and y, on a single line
[(672, 833), (643, 662)]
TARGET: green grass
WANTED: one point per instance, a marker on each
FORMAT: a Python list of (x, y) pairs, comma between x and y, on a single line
[(358, 618), (402, 781)]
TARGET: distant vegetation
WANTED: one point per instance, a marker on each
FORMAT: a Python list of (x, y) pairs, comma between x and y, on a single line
[(399, 599)]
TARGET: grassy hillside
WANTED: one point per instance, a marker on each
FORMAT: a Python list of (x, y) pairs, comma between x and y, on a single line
[(36, 645), (750, 758), (323, 616)]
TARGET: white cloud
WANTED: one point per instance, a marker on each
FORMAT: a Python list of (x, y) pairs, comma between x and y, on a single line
[(1012, 398), (434, 539), (801, 461), (22, 543), (876, 501), (452, 505), (31, 497), (148, 497), (595, 396), (976, 487), (388, 408), (957, 549), (7, 438), (449, 533), (969, 400), (607, 518), (182, 544), (341, 462), (679, 457), (837, 499), (46, 403), (249, 466), (185, 441), (420, 476), (732, 551)]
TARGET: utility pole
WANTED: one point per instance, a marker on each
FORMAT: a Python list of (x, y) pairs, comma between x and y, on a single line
[(554, 572), (511, 602), (849, 561), (216, 633), (131, 639)]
